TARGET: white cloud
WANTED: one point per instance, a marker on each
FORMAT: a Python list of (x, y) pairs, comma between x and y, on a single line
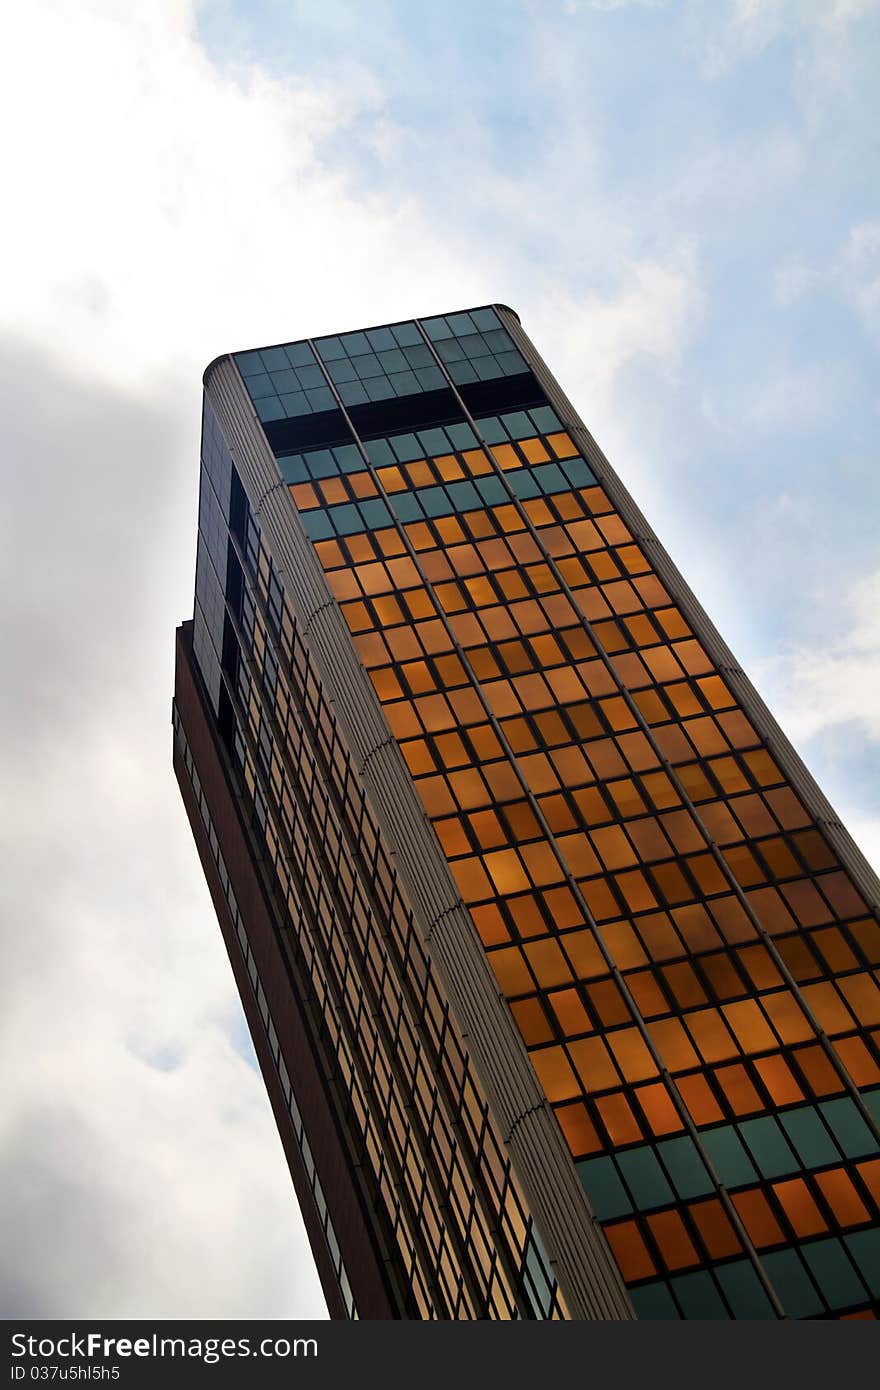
[(653, 313), (793, 281), (141, 1172), (749, 26), (762, 19), (166, 210), (816, 688), (728, 176), (858, 269), (865, 830), (852, 272), (845, 11), (797, 398), (572, 6)]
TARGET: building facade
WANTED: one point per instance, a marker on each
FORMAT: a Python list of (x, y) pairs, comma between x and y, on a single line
[(561, 971)]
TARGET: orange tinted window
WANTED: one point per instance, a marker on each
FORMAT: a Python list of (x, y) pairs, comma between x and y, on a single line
[(618, 1119), (531, 1022), (659, 1109), (799, 1207), (569, 1010), (593, 1063), (840, 1194), (713, 1223), (676, 1246), (555, 1073), (547, 962), (630, 1251), (578, 1129), (757, 1217), (632, 1054)]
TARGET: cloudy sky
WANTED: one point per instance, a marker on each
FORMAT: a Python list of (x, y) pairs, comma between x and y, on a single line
[(680, 201)]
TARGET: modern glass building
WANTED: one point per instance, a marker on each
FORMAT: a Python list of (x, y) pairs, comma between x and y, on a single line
[(561, 971)]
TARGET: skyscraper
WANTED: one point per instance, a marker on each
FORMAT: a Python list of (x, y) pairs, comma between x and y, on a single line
[(561, 971)]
